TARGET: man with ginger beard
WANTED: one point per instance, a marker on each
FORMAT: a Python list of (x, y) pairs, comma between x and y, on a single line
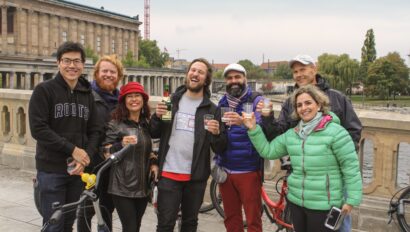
[(240, 159), (108, 71)]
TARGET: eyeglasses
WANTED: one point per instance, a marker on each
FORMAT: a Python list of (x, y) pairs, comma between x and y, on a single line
[(67, 61)]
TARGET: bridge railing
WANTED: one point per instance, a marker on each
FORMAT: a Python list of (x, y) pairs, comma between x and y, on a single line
[(386, 131)]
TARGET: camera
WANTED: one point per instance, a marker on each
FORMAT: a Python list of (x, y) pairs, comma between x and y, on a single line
[(334, 218)]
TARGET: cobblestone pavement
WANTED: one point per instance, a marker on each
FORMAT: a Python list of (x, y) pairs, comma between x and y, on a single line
[(18, 212)]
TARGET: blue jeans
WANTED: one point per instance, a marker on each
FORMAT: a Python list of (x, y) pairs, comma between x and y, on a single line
[(58, 187)]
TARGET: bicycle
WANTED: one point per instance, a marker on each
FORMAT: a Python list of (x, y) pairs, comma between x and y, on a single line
[(401, 208), (277, 212), (92, 182)]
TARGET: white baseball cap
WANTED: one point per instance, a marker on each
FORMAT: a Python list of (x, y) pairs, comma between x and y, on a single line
[(234, 67), (303, 59)]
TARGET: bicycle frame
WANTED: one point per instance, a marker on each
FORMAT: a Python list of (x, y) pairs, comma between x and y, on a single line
[(92, 184), (277, 208)]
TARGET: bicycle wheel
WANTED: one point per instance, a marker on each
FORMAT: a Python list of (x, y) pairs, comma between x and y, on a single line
[(205, 207), (217, 198), (403, 211)]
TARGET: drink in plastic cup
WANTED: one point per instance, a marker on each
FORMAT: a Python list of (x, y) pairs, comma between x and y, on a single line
[(207, 117), (223, 111), (70, 164), (248, 109), (266, 108), (132, 131)]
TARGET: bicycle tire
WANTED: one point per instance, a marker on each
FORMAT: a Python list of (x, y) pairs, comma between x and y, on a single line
[(206, 207), (216, 198), (403, 220)]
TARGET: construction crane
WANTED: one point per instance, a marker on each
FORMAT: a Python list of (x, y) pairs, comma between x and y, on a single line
[(146, 18)]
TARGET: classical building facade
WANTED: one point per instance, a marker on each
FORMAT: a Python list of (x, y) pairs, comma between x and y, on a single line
[(35, 28)]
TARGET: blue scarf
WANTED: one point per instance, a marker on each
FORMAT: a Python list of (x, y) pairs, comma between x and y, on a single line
[(110, 99), (305, 128)]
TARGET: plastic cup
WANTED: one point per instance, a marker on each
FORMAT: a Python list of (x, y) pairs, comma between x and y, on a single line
[(132, 131), (223, 111), (70, 164), (248, 109), (207, 117), (266, 108)]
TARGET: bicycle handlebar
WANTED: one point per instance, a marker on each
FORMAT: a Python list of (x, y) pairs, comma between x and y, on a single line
[(114, 158)]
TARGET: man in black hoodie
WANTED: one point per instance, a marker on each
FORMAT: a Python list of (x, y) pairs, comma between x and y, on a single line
[(64, 122)]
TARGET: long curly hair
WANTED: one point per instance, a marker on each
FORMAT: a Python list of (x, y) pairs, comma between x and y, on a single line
[(121, 112)]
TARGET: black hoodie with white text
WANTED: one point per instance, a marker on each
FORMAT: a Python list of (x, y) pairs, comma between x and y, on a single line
[(62, 119)]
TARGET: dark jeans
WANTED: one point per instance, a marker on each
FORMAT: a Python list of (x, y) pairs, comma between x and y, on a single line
[(58, 187), (86, 212), (130, 212), (175, 195), (308, 220)]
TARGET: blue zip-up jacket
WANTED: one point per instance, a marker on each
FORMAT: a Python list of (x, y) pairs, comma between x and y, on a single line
[(240, 154)]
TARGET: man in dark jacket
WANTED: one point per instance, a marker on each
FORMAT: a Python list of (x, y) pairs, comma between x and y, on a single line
[(108, 72), (240, 160), (64, 122), (184, 149), (304, 73)]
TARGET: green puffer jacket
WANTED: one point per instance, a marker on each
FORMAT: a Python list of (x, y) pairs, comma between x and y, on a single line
[(322, 164)]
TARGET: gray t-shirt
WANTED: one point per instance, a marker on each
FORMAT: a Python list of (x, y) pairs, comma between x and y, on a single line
[(181, 142)]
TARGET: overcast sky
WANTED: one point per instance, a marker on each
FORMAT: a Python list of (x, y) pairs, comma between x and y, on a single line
[(225, 31)]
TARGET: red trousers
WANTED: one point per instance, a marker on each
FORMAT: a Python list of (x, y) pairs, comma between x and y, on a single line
[(242, 190)]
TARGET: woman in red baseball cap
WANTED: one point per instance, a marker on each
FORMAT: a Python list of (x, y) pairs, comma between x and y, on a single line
[(129, 178)]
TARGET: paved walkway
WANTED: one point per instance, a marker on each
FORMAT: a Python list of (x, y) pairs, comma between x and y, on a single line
[(18, 212)]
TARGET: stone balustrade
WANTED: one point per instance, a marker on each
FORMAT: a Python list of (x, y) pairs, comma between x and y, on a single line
[(386, 131)]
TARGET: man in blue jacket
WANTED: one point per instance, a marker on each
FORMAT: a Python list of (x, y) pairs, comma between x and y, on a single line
[(240, 160), (64, 122)]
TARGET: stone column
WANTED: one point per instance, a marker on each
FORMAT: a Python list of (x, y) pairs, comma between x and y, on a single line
[(4, 29), (72, 30), (27, 80), (89, 38), (105, 40), (133, 45), (54, 34), (22, 31), (119, 45)]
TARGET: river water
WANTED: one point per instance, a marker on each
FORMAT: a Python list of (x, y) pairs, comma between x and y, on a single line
[(403, 178)]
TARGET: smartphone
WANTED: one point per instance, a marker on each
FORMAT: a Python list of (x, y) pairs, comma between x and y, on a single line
[(334, 218)]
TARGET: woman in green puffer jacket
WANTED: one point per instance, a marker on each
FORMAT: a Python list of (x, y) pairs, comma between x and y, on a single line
[(323, 158)]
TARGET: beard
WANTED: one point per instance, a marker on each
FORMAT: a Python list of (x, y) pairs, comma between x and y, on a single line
[(106, 87), (235, 89), (196, 89)]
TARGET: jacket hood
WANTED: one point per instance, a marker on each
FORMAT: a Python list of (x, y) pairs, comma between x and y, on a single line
[(327, 118)]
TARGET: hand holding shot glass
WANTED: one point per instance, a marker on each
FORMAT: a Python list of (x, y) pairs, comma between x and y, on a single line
[(247, 109), (266, 106), (210, 124), (225, 110), (131, 136)]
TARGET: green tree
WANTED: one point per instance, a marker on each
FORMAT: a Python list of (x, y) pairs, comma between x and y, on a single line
[(149, 51), (253, 71), (89, 53), (387, 76), (368, 53), (283, 71), (130, 61), (340, 70)]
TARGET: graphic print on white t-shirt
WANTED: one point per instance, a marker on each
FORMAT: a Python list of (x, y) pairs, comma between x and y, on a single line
[(185, 122)]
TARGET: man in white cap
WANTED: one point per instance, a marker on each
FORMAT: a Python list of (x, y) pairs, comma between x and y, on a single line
[(240, 160), (304, 73)]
